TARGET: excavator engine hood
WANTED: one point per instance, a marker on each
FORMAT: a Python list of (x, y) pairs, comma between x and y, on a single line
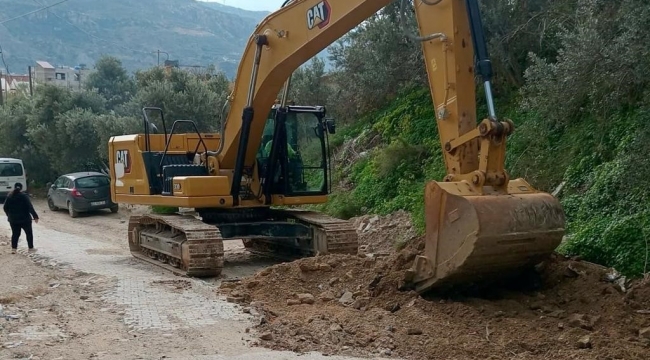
[(475, 238)]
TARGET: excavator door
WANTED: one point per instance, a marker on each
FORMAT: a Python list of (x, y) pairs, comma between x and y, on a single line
[(293, 158)]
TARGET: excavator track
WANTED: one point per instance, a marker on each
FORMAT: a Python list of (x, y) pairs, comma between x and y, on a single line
[(182, 244), (329, 236)]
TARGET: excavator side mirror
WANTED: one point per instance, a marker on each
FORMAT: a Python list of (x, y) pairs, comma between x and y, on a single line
[(331, 125)]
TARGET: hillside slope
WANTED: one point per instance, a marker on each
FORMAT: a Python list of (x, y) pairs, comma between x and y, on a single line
[(255, 15), (80, 31), (385, 159)]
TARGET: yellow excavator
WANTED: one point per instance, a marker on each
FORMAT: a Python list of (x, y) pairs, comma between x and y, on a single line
[(246, 181)]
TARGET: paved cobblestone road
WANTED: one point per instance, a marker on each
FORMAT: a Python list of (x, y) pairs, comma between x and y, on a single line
[(152, 300)]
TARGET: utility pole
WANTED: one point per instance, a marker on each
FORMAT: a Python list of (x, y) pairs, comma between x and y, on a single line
[(1, 96), (31, 89), (158, 52)]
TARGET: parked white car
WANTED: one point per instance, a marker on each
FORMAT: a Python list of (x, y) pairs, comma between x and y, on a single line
[(12, 171)]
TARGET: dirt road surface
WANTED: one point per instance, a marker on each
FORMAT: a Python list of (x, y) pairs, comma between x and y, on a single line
[(82, 296)]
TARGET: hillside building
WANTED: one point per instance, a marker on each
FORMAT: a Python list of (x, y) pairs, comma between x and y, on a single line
[(62, 76)]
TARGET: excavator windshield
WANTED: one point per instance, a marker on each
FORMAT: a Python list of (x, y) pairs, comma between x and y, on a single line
[(301, 157)]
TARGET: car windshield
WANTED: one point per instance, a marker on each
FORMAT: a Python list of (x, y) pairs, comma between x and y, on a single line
[(11, 169), (92, 182)]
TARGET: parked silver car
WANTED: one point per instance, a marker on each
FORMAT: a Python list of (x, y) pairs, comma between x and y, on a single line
[(81, 192)]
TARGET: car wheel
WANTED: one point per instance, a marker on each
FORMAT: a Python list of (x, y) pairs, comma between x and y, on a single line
[(73, 213), (50, 204), (115, 209)]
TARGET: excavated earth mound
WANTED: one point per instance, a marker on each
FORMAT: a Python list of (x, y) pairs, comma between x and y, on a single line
[(351, 305), (384, 234)]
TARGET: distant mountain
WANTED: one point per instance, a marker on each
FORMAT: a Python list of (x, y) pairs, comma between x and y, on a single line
[(256, 15), (80, 31)]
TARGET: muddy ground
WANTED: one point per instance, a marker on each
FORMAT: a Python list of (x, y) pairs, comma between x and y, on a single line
[(565, 309), (82, 296)]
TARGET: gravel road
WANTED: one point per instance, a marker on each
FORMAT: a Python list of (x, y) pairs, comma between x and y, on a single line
[(82, 296)]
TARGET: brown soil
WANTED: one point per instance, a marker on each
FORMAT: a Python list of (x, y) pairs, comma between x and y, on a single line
[(571, 312), (384, 234)]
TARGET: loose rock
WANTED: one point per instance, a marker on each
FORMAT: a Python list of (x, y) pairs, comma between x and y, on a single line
[(324, 267), (327, 296), (361, 303), (346, 298), (414, 331), (336, 327), (292, 302), (584, 342), (306, 298), (583, 321), (308, 266)]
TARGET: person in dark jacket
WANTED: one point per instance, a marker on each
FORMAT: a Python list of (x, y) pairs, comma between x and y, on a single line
[(20, 211)]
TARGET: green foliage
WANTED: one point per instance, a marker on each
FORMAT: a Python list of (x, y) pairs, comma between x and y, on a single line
[(607, 201), (586, 124), (308, 84), (181, 95), (374, 62), (164, 209), (619, 242), (111, 81), (393, 175), (597, 69), (59, 131)]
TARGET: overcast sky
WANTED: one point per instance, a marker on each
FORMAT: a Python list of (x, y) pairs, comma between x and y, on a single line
[(268, 5)]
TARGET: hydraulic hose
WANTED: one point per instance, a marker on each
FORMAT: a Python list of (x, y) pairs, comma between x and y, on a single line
[(402, 15)]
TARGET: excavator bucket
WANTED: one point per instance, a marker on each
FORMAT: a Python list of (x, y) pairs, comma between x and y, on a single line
[(474, 238)]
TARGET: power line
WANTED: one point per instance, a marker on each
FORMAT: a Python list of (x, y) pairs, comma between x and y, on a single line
[(34, 11)]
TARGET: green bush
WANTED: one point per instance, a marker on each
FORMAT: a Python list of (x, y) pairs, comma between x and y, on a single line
[(392, 176), (619, 242), (164, 209), (607, 201)]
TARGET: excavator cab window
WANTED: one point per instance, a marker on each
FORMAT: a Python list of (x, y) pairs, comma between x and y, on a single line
[(301, 165)]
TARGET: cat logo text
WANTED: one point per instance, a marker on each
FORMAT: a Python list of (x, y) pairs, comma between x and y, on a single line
[(123, 157), (319, 15)]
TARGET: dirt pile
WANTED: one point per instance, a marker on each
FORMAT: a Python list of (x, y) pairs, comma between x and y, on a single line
[(350, 305), (384, 234)]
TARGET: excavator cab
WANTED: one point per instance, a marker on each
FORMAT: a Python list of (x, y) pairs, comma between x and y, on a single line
[(293, 158)]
